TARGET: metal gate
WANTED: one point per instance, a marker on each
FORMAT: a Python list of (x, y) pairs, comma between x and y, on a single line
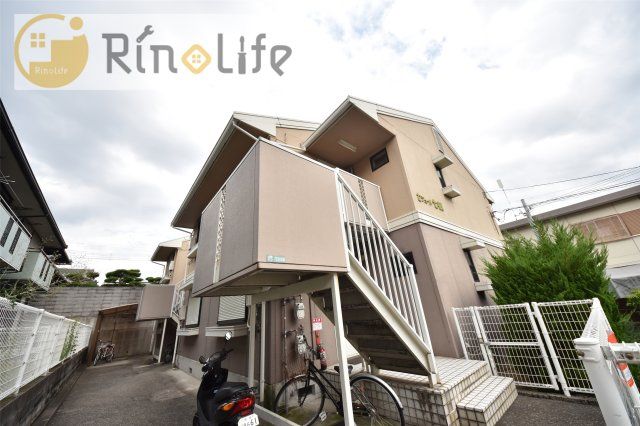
[(508, 337), (561, 323)]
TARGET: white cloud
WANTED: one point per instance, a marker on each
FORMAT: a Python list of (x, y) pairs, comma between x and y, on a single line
[(526, 91)]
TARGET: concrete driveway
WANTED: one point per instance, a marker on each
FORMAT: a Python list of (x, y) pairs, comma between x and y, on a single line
[(129, 392), (135, 392)]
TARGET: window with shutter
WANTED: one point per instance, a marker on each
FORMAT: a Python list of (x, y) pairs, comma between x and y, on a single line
[(232, 310), (610, 228), (604, 229), (632, 221)]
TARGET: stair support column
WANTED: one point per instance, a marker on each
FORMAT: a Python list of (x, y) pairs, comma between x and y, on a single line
[(252, 342), (347, 406)]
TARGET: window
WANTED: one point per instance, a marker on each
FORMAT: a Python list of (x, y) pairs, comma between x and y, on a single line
[(379, 159), (472, 266), (44, 265), (439, 140), (15, 241), (443, 182), (232, 310), (7, 230), (605, 229), (409, 257), (192, 317)]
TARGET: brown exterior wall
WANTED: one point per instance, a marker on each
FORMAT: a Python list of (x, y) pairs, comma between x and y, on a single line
[(444, 280), (194, 346)]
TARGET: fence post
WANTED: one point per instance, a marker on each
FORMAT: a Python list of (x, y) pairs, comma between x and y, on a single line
[(464, 346), (607, 393), (482, 337), (543, 352), (27, 352), (550, 348)]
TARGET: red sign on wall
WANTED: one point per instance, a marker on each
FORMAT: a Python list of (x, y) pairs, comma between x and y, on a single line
[(317, 324)]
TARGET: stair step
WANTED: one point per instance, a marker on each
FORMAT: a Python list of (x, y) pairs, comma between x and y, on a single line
[(487, 402), (365, 337)]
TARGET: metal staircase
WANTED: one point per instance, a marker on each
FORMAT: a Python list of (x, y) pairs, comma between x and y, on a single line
[(381, 308)]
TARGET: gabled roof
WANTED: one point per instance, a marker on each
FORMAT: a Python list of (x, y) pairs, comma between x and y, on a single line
[(263, 123), (632, 192), (372, 109), (30, 205), (165, 249)]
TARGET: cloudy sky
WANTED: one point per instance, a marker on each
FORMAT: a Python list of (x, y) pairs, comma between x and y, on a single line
[(528, 92)]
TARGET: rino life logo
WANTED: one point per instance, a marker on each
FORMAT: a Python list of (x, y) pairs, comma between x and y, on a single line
[(195, 59)]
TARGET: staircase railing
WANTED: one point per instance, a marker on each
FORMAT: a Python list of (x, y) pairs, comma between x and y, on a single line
[(178, 301), (371, 247)]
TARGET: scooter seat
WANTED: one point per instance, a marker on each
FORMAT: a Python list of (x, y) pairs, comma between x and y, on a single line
[(228, 389)]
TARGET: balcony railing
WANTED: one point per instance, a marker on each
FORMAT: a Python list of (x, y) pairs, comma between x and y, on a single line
[(14, 238), (37, 268)]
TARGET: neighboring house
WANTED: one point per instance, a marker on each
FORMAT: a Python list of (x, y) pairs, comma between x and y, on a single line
[(614, 220), (31, 244), (265, 214)]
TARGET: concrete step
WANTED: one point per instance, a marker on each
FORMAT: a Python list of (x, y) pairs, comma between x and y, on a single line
[(487, 402)]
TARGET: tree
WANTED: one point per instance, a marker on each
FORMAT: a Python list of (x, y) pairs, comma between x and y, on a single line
[(124, 278), (153, 280), (82, 278), (563, 264)]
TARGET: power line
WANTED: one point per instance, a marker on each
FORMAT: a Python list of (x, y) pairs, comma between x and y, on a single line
[(562, 181)]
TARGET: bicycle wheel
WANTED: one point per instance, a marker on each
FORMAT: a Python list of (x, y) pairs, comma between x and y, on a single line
[(97, 358), (300, 400), (374, 402)]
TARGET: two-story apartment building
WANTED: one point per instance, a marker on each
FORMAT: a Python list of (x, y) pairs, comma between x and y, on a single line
[(266, 211), (30, 241), (614, 220)]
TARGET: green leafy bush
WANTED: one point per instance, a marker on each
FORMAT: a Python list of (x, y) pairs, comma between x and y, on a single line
[(562, 264)]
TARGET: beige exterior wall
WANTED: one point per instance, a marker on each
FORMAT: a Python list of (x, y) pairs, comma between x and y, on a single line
[(621, 252), (392, 181), (293, 137), (417, 147), (180, 263)]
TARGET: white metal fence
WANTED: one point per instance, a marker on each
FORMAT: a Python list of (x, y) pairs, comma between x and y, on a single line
[(32, 341), (532, 346)]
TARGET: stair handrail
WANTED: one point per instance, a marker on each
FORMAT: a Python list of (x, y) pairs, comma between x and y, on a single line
[(395, 276)]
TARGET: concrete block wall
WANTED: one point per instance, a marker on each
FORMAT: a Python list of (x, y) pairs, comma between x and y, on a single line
[(83, 303)]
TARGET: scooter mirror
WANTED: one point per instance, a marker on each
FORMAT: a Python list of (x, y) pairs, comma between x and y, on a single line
[(202, 359), (227, 335)]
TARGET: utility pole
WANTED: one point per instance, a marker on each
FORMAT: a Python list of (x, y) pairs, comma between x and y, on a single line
[(527, 211)]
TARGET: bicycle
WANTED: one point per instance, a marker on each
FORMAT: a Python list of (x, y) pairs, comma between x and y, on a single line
[(301, 399), (105, 351)]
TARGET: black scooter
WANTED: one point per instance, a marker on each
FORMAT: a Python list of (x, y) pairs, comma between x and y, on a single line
[(222, 403)]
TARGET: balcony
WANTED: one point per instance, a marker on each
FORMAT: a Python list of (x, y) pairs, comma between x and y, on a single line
[(14, 239), (37, 268), (442, 161), (276, 220), (451, 191)]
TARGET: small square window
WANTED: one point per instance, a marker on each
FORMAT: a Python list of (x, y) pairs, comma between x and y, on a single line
[(41, 44), (34, 44), (34, 36), (379, 159), (41, 36)]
